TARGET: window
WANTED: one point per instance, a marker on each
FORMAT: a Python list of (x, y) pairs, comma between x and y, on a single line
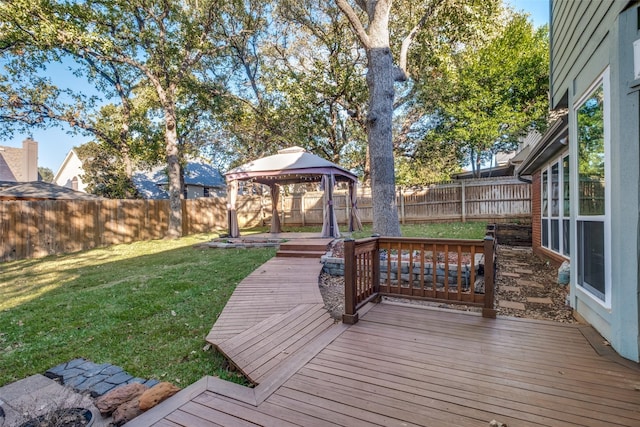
[(555, 206), (591, 115), (566, 211)]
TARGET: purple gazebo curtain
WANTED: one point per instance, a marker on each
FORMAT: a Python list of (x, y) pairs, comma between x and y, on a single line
[(232, 214), (354, 220), (275, 217), (329, 218)]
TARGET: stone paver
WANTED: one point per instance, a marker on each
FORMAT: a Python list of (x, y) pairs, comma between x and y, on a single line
[(510, 288), (523, 271), (85, 376), (530, 283), (511, 304), (509, 274), (534, 300)]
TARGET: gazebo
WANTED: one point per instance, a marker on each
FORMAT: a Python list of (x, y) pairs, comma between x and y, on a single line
[(290, 166)]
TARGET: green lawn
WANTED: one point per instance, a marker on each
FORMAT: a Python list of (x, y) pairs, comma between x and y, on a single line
[(451, 230), (146, 306)]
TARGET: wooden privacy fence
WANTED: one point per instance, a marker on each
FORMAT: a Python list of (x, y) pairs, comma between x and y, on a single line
[(443, 270), (495, 199), (31, 229), (40, 228)]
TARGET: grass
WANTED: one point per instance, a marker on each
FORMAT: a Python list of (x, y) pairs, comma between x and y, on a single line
[(451, 230), (146, 306)]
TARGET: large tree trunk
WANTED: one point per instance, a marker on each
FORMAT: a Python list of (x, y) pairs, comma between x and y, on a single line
[(380, 78), (174, 229)]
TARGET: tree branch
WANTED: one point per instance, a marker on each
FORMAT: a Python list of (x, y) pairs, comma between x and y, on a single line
[(351, 15), (401, 72)]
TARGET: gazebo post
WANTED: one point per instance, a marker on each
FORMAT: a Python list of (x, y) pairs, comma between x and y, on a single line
[(331, 213), (275, 219), (354, 217), (232, 214)]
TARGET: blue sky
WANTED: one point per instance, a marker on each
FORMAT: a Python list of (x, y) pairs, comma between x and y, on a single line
[(55, 143)]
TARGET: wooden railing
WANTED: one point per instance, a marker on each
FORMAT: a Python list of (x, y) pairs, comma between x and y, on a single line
[(442, 270)]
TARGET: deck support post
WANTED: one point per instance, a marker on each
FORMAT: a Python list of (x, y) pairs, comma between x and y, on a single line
[(489, 278), (350, 315)]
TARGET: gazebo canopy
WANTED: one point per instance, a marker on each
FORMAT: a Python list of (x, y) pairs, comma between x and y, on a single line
[(290, 166)]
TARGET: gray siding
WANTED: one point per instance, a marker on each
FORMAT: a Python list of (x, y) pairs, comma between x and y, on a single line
[(578, 30), (588, 37)]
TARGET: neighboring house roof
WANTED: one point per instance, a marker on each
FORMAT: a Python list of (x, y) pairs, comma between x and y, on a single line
[(152, 184), (40, 190), (70, 173), (5, 170), (504, 170), (288, 166), (19, 164), (552, 142)]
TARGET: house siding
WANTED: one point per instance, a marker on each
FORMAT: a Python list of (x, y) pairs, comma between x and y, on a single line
[(70, 173), (588, 38), (579, 29)]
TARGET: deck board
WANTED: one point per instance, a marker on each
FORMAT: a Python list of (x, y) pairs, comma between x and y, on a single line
[(274, 288), (399, 366), (259, 350), (273, 314), (409, 366)]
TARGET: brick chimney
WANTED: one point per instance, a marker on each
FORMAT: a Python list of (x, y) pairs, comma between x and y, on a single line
[(29, 160)]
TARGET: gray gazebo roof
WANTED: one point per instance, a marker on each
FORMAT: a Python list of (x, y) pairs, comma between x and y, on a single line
[(291, 165)]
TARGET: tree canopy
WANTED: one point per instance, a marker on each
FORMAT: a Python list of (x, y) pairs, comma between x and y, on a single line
[(397, 90), (490, 94)]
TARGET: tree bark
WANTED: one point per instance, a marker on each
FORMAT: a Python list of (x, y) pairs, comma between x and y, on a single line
[(174, 229), (380, 79)]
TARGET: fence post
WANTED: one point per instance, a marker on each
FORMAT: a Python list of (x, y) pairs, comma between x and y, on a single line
[(347, 209), (463, 197), (402, 213), (350, 315), (302, 209), (489, 278), (282, 209)]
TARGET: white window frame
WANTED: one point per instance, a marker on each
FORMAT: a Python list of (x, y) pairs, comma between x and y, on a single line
[(549, 215), (603, 80)]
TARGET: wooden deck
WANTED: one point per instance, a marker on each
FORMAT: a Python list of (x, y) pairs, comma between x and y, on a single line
[(412, 366), (274, 288), (275, 312)]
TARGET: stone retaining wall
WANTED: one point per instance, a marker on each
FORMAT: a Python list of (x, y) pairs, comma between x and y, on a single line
[(335, 267)]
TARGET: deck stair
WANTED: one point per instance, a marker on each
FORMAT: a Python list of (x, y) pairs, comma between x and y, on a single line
[(304, 248)]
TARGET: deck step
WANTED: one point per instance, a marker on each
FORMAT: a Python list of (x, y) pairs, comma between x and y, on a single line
[(296, 246), (259, 350), (303, 248), (299, 254)]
